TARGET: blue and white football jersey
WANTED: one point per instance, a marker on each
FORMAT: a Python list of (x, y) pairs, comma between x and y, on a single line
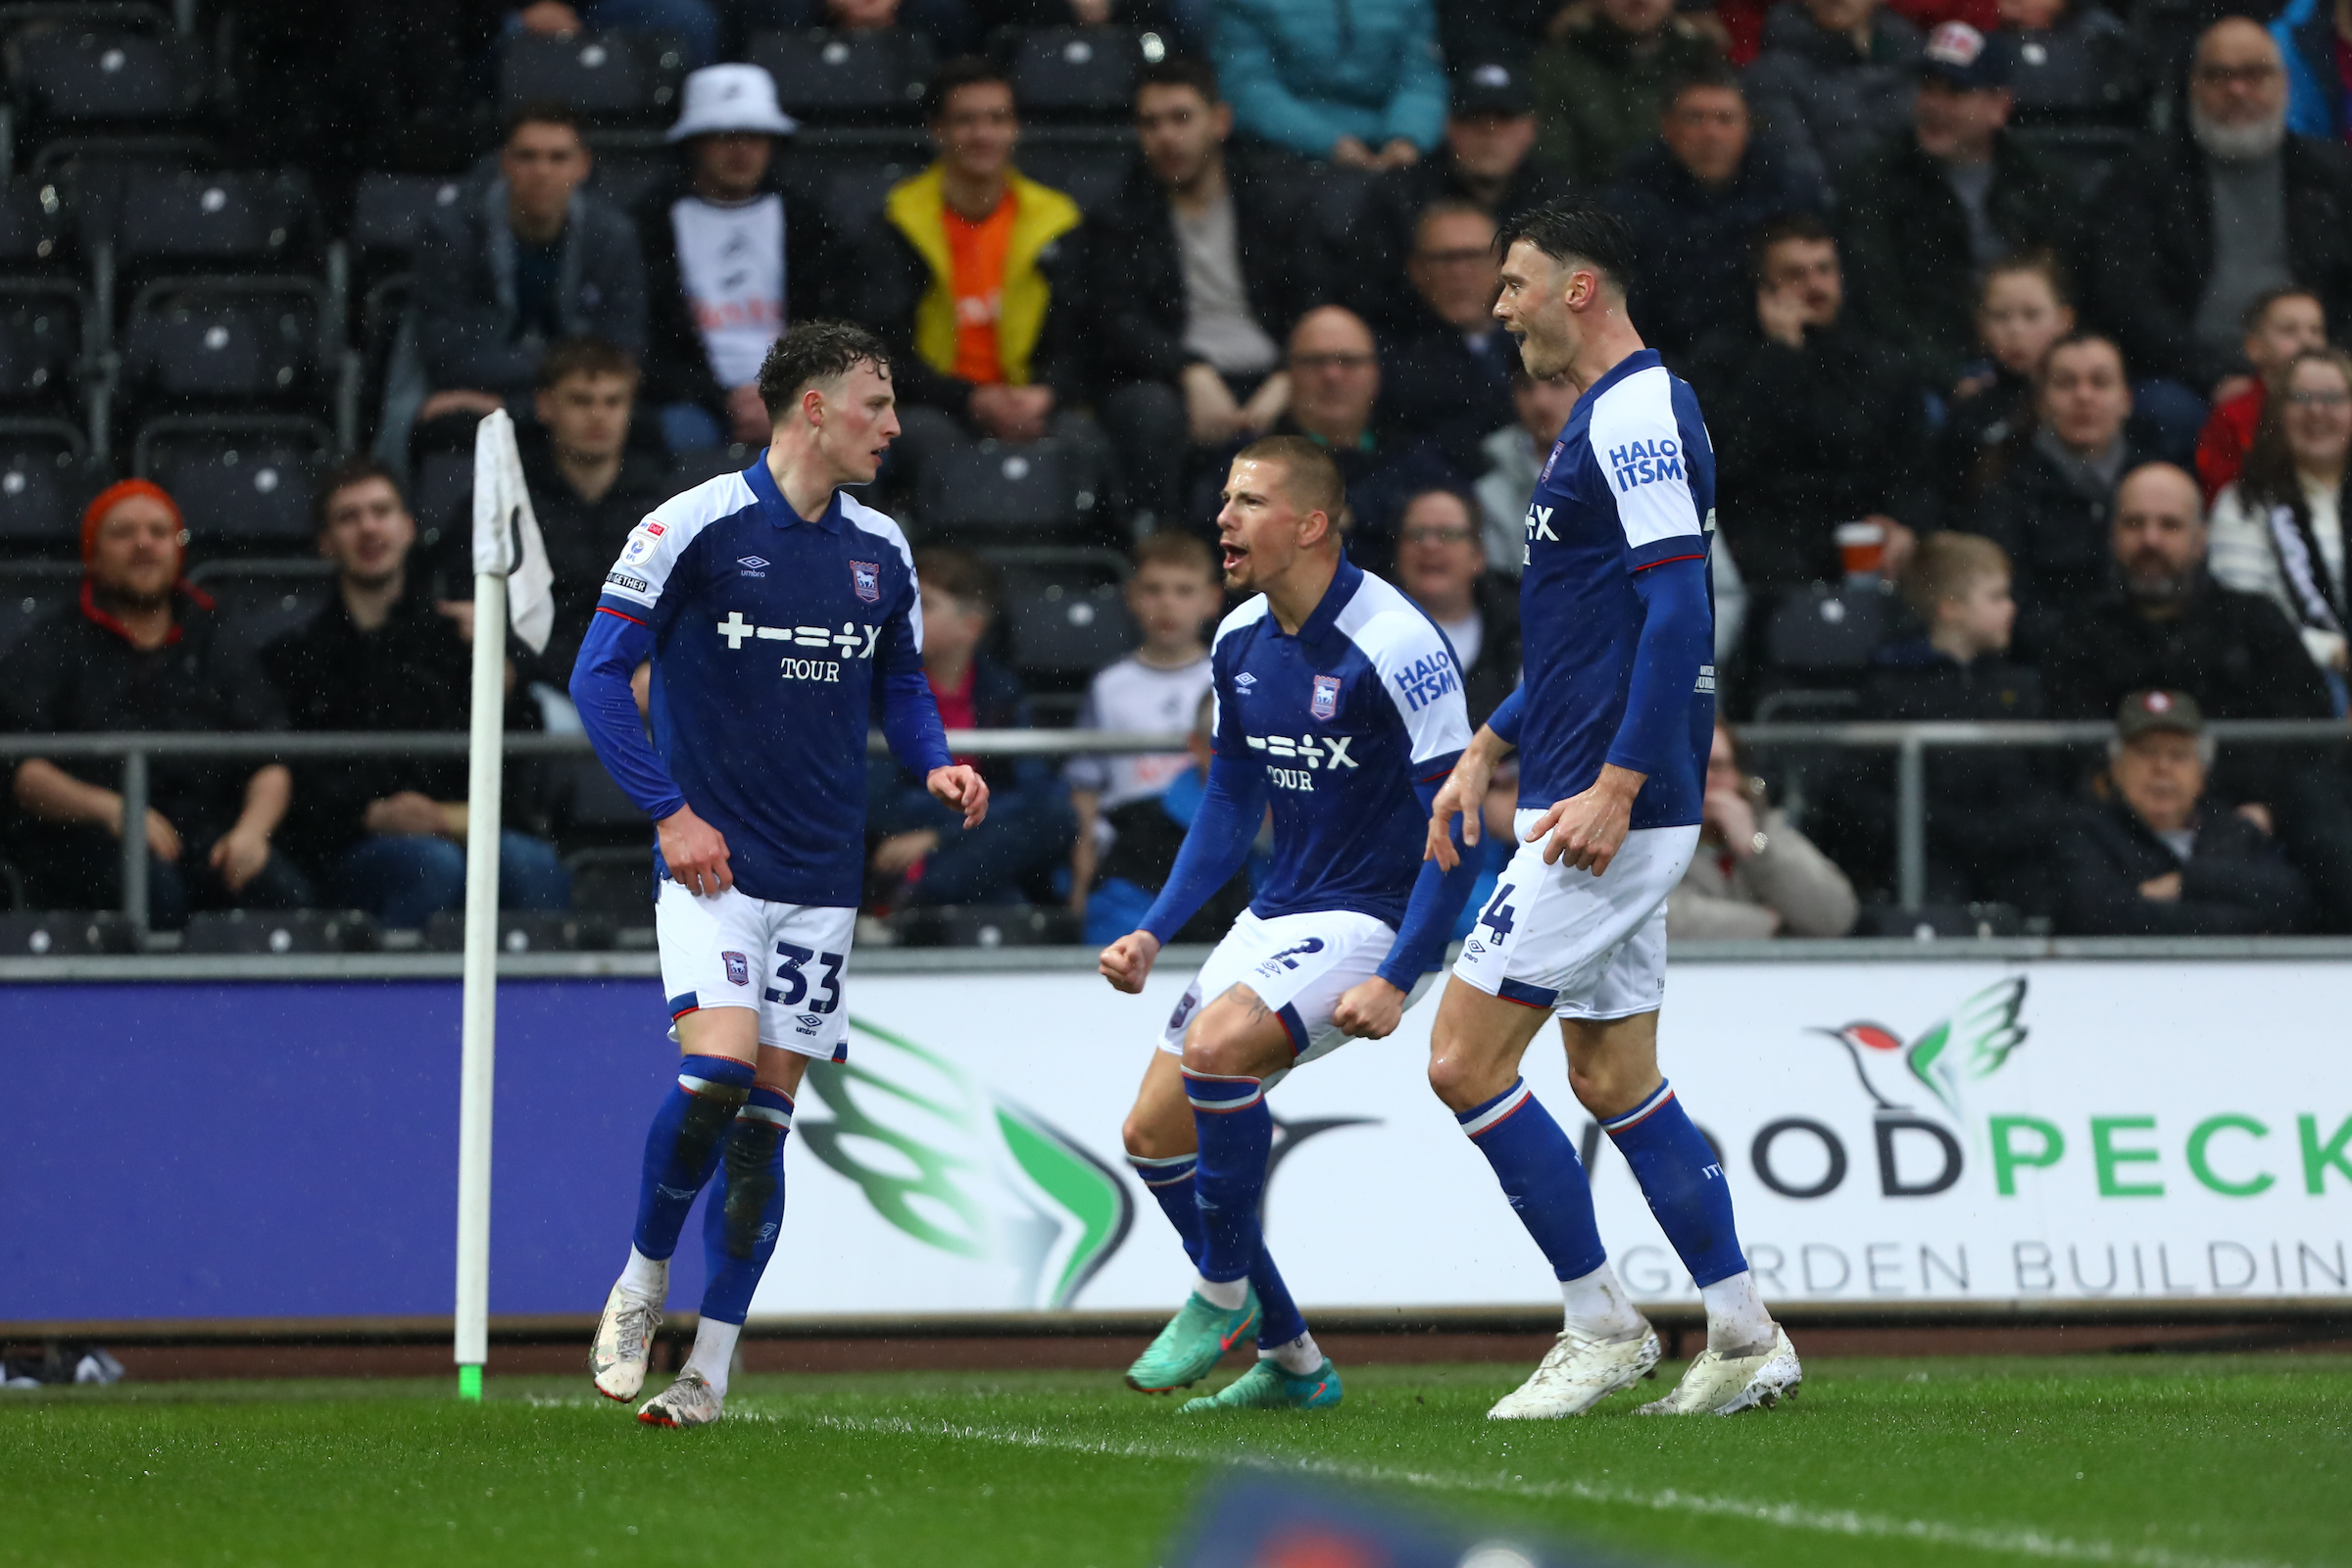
[(1344, 719), (1629, 485), (770, 635)]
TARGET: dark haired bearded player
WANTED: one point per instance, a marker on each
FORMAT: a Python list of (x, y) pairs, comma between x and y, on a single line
[(1613, 723), (771, 605)]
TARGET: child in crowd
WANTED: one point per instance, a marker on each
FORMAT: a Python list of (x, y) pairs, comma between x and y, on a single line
[(2281, 323), (1990, 811), (1173, 596), (2022, 308)]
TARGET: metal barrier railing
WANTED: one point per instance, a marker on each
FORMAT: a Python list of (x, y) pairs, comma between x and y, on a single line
[(1910, 742)]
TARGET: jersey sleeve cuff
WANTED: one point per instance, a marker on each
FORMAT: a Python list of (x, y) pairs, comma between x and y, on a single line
[(628, 609), (1658, 552)]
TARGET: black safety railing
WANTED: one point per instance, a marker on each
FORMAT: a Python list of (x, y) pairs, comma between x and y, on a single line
[(1911, 744)]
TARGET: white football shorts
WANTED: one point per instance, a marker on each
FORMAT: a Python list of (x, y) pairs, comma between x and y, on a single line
[(785, 960), (1583, 946), (1299, 965)]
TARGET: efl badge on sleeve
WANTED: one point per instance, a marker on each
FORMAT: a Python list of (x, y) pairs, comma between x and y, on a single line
[(866, 578), (1327, 697), (739, 968)]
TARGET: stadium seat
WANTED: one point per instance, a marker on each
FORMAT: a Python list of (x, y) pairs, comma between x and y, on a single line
[(24, 598), (65, 933), (1085, 72), (986, 925), (614, 882), (1064, 622), (257, 600), (698, 463), (1089, 176), (1822, 629), (442, 494), (992, 485), (278, 931), (36, 227), (44, 482), (521, 931), (242, 483), (191, 344), (623, 176), (846, 75), (232, 219), (42, 345), (610, 77), (389, 212), (71, 76)]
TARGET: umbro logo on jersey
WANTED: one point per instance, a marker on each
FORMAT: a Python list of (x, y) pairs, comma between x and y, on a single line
[(1243, 681), (753, 562), (1326, 700), (865, 580)]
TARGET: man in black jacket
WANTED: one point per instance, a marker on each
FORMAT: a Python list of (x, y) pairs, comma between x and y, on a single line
[(1929, 212), (388, 831), (511, 266), (1815, 422), (2198, 224), (2159, 857), (1446, 378), (1696, 199), (731, 258), (1201, 269), (1487, 160)]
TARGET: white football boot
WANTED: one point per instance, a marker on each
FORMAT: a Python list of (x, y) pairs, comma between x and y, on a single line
[(1576, 1372), (686, 1403), (625, 1341), (1726, 1385)]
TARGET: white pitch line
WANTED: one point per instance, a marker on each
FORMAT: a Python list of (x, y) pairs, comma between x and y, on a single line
[(2013, 1541)]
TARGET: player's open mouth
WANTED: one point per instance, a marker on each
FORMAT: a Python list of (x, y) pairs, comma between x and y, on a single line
[(1233, 554)]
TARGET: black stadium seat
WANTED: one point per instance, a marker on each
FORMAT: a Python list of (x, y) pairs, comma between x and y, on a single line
[(994, 485), (604, 76), (278, 931), (241, 218), (72, 75), (846, 76), (1076, 71), (25, 601), (260, 599), (1829, 631), (1064, 623), (1091, 176), (389, 213), (240, 484), (36, 227), (43, 487), (219, 342), (62, 934), (42, 344)]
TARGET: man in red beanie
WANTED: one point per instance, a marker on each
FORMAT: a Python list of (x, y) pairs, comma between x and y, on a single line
[(143, 651)]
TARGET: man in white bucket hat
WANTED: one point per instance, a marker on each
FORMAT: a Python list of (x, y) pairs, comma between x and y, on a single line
[(726, 266)]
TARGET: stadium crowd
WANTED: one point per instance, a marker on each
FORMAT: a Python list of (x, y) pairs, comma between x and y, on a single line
[(2012, 324)]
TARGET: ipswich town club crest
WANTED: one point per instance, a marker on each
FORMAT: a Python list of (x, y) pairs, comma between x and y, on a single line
[(1327, 697), (739, 968), (866, 578)]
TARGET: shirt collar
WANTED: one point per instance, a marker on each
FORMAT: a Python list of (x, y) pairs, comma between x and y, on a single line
[(1632, 364), (779, 511), (1344, 584)]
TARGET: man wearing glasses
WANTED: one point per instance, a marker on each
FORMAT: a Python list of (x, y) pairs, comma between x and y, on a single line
[(2199, 224), (1335, 373), (1450, 371)]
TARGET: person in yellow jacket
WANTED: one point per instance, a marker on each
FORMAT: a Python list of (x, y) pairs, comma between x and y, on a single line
[(976, 283)]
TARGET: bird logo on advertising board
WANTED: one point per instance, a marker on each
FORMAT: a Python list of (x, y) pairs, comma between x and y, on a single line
[(1969, 1045)]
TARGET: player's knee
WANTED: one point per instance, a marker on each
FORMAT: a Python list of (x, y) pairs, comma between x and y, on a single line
[(1147, 1139), (1606, 1088), (1452, 1080), (1221, 1050)]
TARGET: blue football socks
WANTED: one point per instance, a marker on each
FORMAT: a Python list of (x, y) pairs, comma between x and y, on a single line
[(1683, 1183), (681, 1150), (1540, 1175), (741, 1221), (1170, 1183), (1235, 1133)]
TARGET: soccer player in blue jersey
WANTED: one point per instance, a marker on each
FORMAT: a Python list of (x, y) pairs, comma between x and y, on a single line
[(1613, 723), (1338, 701), (772, 607)]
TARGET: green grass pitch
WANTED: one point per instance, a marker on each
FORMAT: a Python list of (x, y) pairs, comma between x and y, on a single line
[(2163, 1461)]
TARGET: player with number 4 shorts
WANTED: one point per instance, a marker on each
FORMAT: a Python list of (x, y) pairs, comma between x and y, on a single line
[(771, 608), (1613, 722), (1338, 702)]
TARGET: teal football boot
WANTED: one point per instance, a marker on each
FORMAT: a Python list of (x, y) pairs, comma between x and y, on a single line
[(1191, 1343), (1267, 1387)]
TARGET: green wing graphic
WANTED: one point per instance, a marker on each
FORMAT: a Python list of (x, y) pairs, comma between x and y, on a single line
[(952, 1163), (1972, 1044)]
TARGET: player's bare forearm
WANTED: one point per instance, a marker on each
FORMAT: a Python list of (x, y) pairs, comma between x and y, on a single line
[(1463, 795), (1588, 829), (1127, 962), (1370, 1010), (694, 852), (962, 788)]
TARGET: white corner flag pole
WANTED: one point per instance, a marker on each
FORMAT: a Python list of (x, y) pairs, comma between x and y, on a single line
[(505, 544)]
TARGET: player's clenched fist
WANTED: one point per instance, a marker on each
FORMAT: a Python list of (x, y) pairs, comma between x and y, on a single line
[(696, 854), (1127, 962), (962, 788), (1370, 1010)]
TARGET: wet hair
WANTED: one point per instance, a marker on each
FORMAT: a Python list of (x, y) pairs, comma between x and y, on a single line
[(813, 352), (1311, 479), (1574, 229)]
